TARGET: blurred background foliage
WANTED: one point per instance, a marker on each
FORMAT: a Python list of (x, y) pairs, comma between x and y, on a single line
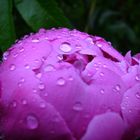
[(115, 20)]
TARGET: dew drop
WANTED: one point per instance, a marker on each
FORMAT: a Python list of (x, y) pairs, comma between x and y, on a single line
[(60, 57), (41, 86), (101, 74), (22, 80), (104, 65), (5, 55), (49, 68), (24, 102), (32, 122), (99, 45), (118, 87), (78, 106), (61, 81), (45, 94), (137, 77), (20, 84), (102, 91), (27, 66), (138, 95), (90, 40), (123, 108), (21, 49), (15, 54), (14, 104), (12, 67), (38, 75), (42, 105), (70, 78), (35, 40), (65, 47), (34, 90)]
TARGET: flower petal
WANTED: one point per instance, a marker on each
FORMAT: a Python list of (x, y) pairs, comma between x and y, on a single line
[(108, 126)]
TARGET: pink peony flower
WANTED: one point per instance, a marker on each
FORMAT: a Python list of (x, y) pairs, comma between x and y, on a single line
[(63, 84)]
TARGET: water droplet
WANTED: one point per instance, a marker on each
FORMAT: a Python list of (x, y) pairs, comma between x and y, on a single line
[(38, 75), (12, 67), (5, 55), (41, 86), (35, 40), (19, 84), (61, 81), (21, 49), (99, 45), (90, 40), (102, 91), (104, 65), (101, 74), (118, 87), (24, 102), (27, 66), (78, 106), (60, 57), (49, 68), (45, 94), (34, 90), (15, 54), (137, 77), (70, 78), (130, 111), (32, 122), (42, 105), (14, 104), (138, 95), (65, 47), (123, 108), (22, 80)]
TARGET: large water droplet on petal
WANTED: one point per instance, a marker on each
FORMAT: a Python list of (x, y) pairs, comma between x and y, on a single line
[(65, 47), (12, 67), (78, 106), (32, 122), (61, 81), (49, 68)]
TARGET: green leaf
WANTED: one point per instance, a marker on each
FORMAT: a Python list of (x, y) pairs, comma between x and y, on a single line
[(7, 31), (41, 13)]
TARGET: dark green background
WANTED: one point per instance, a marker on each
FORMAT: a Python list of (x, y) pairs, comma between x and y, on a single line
[(118, 21)]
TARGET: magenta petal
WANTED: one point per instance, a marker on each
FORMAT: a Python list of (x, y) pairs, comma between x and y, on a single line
[(108, 126), (131, 106), (31, 118)]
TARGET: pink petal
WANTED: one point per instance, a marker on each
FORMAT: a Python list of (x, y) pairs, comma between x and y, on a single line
[(108, 126), (30, 117), (131, 106)]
